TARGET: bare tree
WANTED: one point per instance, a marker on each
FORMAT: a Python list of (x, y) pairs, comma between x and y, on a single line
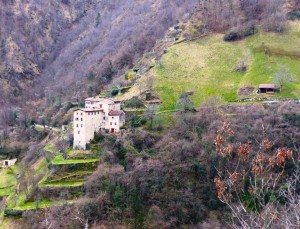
[(150, 82), (61, 146), (282, 76), (151, 114), (184, 102), (253, 193)]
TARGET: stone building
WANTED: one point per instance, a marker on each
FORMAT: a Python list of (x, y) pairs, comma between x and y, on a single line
[(99, 114), (8, 163)]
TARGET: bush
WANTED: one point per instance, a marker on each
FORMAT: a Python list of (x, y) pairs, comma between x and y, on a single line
[(199, 169), (240, 33), (114, 92), (135, 120), (241, 65), (130, 76), (134, 102), (294, 15), (249, 31), (231, 36), (89, 210), (14, 213), (275, 23)]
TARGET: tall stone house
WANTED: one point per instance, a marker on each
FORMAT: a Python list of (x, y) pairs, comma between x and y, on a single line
[(99, 114)]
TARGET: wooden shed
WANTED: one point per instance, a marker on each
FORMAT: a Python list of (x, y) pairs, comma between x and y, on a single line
[(266, 88)]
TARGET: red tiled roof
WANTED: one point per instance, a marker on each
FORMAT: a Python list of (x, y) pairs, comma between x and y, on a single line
[(269, 86), (115, 113)]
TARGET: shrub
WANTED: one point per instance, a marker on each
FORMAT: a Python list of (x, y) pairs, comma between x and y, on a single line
[(240, 33), (249, 31), (121, 154), (135, 120), (294, 15), (275, 23), (91, 76), (241, 65), (124, 89), (130, 76), (114, 92), (14, 213), (231, 36), (89, 210), (134, 102)]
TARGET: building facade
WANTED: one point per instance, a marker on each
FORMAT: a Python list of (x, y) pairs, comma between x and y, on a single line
[(8, 163), (99, 114)]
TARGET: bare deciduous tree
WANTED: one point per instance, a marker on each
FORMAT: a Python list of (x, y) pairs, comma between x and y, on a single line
[(282, 76), (254, 185)]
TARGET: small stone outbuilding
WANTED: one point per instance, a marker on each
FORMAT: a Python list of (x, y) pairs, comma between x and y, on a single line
[(8, 163)]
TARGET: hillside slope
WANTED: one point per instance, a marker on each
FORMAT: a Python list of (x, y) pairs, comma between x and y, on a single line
[(62, 41), (207, 66)]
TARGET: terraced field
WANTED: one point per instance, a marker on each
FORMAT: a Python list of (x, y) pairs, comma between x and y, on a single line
[(8, 180), (61, 179)]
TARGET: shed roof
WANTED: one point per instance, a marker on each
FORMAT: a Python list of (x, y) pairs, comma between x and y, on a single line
[(115, 113), (268, 86)]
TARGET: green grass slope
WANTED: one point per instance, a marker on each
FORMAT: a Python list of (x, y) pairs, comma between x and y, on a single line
[(59, 160), (8, 180), (207, 66)]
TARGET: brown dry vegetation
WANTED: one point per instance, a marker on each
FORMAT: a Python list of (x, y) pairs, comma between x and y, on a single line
[(147, 180)]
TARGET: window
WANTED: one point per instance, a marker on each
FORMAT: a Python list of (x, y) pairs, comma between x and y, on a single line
[(78, 132), (103, 118), (113, 117), (76, 119), (81, 114), (111, 123), (81, 125), (76, 125), (81, 119), (100, 105), (115, 123)]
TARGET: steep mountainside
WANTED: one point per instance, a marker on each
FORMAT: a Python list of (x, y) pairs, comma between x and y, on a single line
[(62, 41), (200, 147)]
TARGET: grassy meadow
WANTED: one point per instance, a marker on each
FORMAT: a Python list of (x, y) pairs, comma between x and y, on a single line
[(207, 66)]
